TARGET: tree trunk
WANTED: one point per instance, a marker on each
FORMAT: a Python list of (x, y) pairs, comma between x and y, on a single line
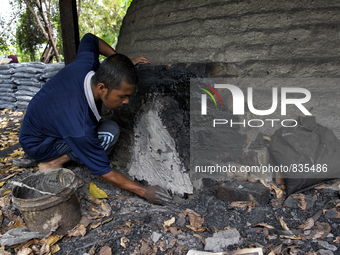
[(48, 36)]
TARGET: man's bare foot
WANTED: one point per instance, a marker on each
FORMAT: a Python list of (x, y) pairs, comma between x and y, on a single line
[(55, 163)]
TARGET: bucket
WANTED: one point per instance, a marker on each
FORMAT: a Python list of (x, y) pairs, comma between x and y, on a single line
[(45, 213)]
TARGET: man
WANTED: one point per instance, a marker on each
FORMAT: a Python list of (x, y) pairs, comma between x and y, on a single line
[(62, 122)]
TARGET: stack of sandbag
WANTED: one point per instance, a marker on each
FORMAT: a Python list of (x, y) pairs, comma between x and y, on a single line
[(50, 70), (7, 88), (26, 77), (19, 82)]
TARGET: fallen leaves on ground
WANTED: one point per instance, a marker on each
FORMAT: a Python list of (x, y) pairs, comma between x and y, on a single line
[(168, 223), (79, 230), (97, 192), (302, 202), (123, 241), (245, 204), (273, 187), (106, 250), (283, 224)]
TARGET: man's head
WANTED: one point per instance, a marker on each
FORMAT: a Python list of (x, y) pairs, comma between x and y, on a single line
[(115, 80), (115, 69)]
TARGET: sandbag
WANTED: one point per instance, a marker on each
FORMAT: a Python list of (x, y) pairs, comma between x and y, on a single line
[(7, 106), (6, 71), (309, 152), (29, 88), (8, 85), (7, 90), (6, 81), (29, 82), (24, 93), (24, 98), (22, 104), (4, 67), (53, 67), (24, 75), (27, 69), (48, 75)]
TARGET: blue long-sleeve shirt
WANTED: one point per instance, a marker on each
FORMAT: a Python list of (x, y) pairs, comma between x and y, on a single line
[(60, 112)]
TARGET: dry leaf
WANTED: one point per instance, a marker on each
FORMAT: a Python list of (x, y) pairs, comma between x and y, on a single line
[(283, 224), (265, 231), (54, 249), (272, 253), (308, 224), (79, 230), (106, 250), (94, 200), (195, 221), (321, 230), (5, 200), (186, 212), (200, 237), (302, 203), (97, 192), (168, 223), (19, 223), (1, 218), (93, 250), (175, 230), (128, 223), (5, 252), (337, 240), (293, 237), (24, 251), (44, 249), (6, 192), (123, 241), (264, 225), (202, 229), (53, 239), (244, 204), (272, 186), (2, 184)]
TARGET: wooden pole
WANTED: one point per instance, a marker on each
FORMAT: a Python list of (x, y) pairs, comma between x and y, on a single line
[(69, 28)]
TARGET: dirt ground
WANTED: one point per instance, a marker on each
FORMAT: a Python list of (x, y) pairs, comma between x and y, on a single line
[(124, 223)]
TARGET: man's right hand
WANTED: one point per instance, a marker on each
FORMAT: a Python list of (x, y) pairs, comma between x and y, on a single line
[(157, 195)]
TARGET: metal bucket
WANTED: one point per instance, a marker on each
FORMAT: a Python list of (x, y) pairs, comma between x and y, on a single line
[(45, 213)]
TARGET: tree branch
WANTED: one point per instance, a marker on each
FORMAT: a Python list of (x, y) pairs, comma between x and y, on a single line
[(37, 19), (49, 30)]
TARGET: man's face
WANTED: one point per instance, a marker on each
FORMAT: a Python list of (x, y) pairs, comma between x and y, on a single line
[(117, 98)]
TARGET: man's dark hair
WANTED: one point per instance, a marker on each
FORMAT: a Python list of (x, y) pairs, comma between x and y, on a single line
[(115, 69)]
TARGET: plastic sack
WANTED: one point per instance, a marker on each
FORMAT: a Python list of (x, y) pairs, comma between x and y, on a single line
[(27, 69), (21, 104), (29, 82), (309, 152), (48, 75), (24, 98), (24, 93), (24, 75), (53, 67), (6, 81), (9, 90), (7, 106), (28, 88), (8, 85)]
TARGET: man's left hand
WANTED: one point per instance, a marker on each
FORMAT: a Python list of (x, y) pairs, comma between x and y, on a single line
[(158, 195), (141, 59)]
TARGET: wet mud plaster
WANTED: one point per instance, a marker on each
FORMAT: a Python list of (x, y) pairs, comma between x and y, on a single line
[(155, 158)]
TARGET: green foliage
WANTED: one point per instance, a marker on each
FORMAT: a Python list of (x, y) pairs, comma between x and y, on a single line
[(29, 36), (102, 18)]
